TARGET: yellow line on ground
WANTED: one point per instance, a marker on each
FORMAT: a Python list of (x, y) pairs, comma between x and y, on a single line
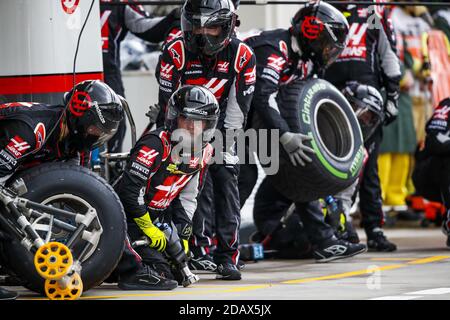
[(393, 259), (430, 259), (243, 288), (345, 274), (172, 293)]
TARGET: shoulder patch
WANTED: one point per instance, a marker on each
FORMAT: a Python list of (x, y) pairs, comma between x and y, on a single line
[(166, 144), (284, 49), (147, 156), (442, 112), (176, 51), (243, 56), (39, 133)]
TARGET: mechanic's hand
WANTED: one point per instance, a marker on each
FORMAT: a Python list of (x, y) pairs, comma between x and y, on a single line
[(294, 144), (157, 238), (153, 112), (391, 112)]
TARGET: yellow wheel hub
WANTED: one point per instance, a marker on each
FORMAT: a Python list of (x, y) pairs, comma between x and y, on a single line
[(55, 291), (53, 260)]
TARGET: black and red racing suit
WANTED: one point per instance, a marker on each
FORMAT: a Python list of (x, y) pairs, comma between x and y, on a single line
[(27, 139), (231, 77)]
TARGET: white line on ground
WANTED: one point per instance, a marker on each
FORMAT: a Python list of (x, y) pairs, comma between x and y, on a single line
[(397, 298), (431, 291)]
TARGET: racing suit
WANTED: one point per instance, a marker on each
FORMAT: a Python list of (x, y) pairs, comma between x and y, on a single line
[(369, 58), (153, 181), (431, 175), (278, 66), (23, 132), (116, 21), (231, 77)]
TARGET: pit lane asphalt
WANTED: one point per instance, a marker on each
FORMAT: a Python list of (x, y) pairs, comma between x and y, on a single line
[(417, 270)]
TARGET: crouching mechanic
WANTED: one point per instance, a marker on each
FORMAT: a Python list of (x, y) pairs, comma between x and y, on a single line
[(34, 133), (164, 171), (431, 175), (289, 239)]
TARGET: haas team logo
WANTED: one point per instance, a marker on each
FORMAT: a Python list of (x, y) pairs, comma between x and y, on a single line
[(79, 103), (312, 27)]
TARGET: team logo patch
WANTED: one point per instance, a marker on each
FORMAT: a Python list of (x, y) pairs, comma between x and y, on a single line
[(173, 34), (312, 27), (39, 133), (441, 112), (193, 163), (80, 103), (276, 62), (356, 47), (147, 156), (176, 51), (18, 147), (168, 191), (223, 66), (166, 71), (250, 76), (284, 48), (244, 55), (363, 12)]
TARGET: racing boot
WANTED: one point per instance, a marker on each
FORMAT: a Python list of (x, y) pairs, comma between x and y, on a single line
[(377, 241), (145, 279), (228, 271), (334, 249), (7, 294), (202, 263)]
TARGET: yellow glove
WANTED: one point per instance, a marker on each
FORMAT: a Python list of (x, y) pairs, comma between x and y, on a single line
[(156, 236), (185, 244)]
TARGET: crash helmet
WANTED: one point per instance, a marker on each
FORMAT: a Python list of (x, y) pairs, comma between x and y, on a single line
[(207, 25), (93, 114), (321, 32), (195, 109), (367, 103)]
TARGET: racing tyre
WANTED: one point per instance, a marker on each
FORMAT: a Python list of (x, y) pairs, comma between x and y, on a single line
[(317, 109), (75, 189)]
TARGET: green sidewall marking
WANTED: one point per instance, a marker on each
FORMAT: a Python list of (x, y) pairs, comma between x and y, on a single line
[(333, 171)]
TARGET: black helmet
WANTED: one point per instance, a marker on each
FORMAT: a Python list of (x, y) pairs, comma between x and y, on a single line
[(321, 32), (93, 115), (193, 103), (367, 104), (198, 14)]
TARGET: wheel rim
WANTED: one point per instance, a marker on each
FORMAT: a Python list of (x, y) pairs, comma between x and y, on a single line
[(77, 204), (333, 129)]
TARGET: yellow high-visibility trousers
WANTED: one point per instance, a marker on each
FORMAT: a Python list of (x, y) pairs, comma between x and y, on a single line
[(393, 170)]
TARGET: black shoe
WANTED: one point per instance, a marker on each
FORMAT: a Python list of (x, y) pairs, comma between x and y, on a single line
[(202, 263), (7, 294), (334, 249), (146, 279), (228, 271), (377, 241)]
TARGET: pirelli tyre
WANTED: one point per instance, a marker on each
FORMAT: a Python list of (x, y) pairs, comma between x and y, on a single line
[(317, 109), (72, 188)]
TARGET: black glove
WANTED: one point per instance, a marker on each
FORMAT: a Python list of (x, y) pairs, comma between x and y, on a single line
[(391, 109), (153, 112)]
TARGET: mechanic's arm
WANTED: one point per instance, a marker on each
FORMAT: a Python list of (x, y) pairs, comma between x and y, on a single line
[(241, 94), (266, 91), (17, 140), (168, 77), (144, 161), (154, 30), (390, 73)]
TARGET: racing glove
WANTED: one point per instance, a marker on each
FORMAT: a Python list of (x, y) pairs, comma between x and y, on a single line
[(153, 112), (294, 144), (157, 237), (391, 109)]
